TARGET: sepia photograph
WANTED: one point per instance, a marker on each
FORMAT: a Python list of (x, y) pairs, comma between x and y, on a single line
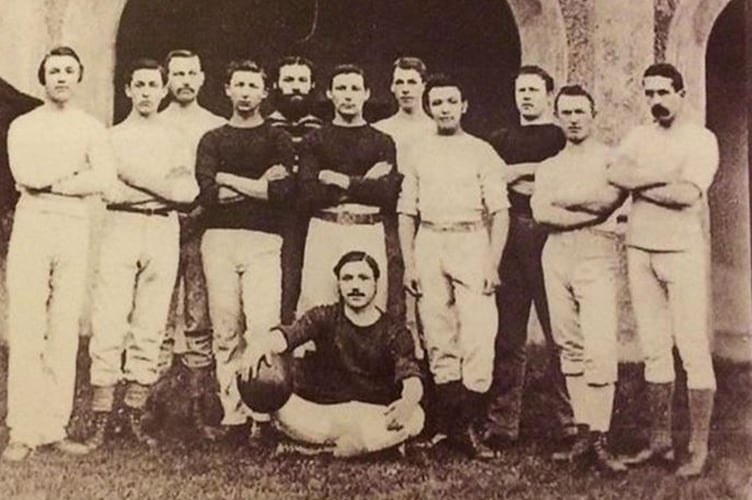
[(280, 249)]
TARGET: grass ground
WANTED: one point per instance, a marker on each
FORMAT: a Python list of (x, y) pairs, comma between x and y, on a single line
[(177, 470)]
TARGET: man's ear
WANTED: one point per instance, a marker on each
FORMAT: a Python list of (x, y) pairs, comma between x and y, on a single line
[(465, 106), (329, 94), (368, 94)]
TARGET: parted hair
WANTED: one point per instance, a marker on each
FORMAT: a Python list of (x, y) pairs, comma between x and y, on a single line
[(532, 69), (343, 69), (245, 65), (295, 61), (666, 70), (574, 90), (409, 62), (60, 50), (184, 53), (357, 256), (145, 63)]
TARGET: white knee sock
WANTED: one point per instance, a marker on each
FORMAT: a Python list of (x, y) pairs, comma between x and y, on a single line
[(577, 388), (600, 404)]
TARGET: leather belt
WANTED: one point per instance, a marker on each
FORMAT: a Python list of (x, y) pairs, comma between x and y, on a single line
[(163, 211), (348, 218), (453, 227)]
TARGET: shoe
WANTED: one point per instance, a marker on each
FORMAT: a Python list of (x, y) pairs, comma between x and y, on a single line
[(137, 428), (70, 447), (577, 448), (16, 452), (661, 456), (428, 442), (604, 460), (469, 442), (98, 437), (659, 398)]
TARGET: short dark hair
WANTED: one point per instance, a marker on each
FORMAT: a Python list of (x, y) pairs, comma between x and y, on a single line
[(145, 63), (245, 65), (60, 50), (414, 63), (184, 53), (295, 61), (532, 69), (666, 70), (343, 69), (574, 90), (357, 256), (441, 80)]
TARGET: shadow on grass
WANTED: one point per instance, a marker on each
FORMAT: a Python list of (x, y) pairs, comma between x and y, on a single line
[(180, 468)]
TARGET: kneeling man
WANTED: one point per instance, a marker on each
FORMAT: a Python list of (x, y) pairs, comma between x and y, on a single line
[(367, 392)]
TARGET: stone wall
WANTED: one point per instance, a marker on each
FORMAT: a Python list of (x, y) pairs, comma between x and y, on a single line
[(603, 44)]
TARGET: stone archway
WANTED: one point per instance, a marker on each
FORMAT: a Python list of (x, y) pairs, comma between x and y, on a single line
[(92, 25), (693, 47), (687, 44)]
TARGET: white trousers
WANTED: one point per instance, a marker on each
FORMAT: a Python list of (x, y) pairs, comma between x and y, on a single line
[(459, 320), (244, 282), (46, 277), (137, 268), (581, 270), (670, 299), (361, 426)]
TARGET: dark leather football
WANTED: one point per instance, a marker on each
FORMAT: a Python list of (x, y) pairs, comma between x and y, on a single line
[(270, 389)]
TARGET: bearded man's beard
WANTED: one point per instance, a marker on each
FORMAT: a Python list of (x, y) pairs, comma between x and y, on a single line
[(293, 106)]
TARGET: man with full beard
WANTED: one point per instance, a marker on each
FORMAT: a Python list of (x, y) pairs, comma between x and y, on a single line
[(293, 89)]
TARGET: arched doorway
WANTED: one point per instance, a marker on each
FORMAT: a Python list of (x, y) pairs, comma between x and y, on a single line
[(477, 41), (729, 196)]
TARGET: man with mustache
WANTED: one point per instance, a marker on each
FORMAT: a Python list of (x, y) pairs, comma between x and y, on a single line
[(59, 157), (185, 115), (368, 398), (453, 180), (581, 266), (523, 147), (139, 253), (244, 169), (347, 184), (293, 96), (668, 167)]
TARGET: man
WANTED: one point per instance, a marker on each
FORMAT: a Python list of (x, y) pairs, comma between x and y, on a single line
[(410, 122), (451, 180), (371, 390), (523, 147), (581, 266), (185, 115), (347, 184), (293, 93), (669, 166), (139, 253), (244, 169), (293, 98), (406, 126), (59, 156)]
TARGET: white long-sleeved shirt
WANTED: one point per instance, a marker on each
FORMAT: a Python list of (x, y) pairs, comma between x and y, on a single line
[(153, 155), (47, 145)]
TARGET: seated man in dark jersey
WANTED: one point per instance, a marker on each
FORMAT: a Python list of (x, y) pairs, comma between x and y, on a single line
[(368, 389)]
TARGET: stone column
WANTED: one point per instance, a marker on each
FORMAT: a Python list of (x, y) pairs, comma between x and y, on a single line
[(622, 36)]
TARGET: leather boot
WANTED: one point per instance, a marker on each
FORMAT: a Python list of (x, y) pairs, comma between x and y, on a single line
[(604, 460), (700, 414), (466, 437), (443, 409), (198, 383), (136, 426), (579, 447), (659, 399), (99, 434)]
